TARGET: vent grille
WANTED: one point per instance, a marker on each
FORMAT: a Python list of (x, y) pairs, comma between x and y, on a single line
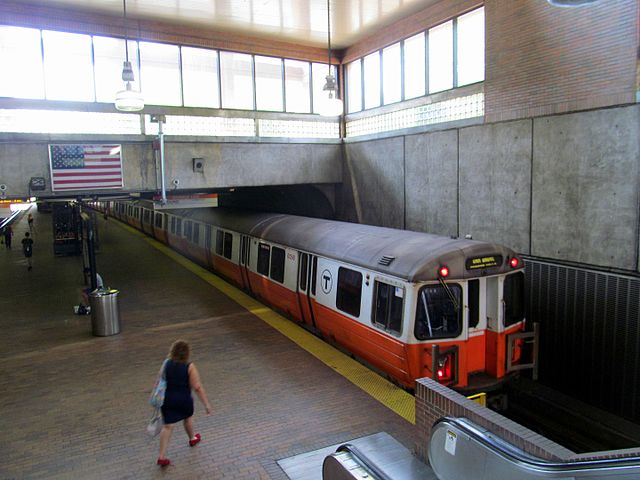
[(386, 260), (590, 326)]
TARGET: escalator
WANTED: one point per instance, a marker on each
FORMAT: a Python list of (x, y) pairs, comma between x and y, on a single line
[(461, 450)]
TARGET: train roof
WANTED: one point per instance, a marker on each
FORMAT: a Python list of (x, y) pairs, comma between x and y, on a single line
[(412, 256)]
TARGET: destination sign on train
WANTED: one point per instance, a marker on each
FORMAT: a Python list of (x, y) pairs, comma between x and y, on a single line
[(483, 262)]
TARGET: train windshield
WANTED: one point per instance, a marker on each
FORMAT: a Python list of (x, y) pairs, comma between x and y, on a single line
[(439, 314), (513, 298)]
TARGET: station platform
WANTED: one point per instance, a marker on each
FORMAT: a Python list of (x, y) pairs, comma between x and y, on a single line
[(76, 406)]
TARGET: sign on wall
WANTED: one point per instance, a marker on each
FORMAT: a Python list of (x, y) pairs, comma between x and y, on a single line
[(85, 167)]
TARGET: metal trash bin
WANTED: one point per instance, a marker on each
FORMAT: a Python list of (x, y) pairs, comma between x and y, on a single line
[(105, 312)]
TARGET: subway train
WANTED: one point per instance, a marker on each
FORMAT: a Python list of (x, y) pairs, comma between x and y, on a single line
[(408, 304)]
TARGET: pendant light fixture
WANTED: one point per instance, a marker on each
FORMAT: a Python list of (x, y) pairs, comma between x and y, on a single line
[(128, 100), (331, 106)]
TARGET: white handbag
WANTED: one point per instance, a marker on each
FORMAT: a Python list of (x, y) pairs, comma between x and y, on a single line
[(155, 424)]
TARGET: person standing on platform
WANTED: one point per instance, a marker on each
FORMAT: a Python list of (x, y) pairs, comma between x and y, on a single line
[(8, 235), (30, 221), (27, 249), (182, 376)]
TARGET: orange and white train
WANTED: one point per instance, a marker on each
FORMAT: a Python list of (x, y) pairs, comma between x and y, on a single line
[(409, 304)]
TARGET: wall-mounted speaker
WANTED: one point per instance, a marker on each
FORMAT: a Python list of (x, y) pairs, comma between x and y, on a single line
[(198, 165), (37, 183)]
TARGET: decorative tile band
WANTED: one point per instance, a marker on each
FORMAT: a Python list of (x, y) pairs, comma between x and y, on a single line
[(459, 108)]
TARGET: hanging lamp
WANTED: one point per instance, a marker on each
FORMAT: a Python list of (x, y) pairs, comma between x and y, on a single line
[(128, 100), (331, 106)]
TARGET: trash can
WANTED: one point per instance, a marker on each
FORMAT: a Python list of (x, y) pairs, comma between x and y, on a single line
[(105, 312)]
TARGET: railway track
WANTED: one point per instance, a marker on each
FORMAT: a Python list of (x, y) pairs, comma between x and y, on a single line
[(568, 421)]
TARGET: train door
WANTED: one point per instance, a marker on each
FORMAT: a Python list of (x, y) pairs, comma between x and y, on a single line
[(476, 325), (494, 354), (305, 267), (244, 261), (207, 245)]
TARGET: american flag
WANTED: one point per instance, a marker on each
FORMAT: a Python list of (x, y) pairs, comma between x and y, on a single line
[(83, 167)]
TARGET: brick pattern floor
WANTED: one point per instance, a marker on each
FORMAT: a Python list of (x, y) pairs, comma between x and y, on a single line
[(75, 406)]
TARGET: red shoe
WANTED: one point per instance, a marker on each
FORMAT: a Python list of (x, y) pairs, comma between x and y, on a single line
[(195, 441), (164, 462)]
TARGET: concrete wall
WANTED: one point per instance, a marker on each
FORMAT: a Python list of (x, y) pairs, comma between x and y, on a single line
[(225, 164), (375, 172), (432, 182), (564, 187), (586, 187)]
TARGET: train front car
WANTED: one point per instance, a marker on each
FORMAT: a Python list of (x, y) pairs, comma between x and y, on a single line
[(467, 309)]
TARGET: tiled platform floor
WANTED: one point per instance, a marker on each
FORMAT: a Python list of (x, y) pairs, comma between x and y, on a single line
[(75, 406)]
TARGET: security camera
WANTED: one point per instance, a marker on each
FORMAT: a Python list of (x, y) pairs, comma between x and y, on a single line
[(3, 187), (176, 182)]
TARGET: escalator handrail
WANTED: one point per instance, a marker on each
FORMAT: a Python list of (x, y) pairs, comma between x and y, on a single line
[(364, 460), (9, 219), (514, 455)]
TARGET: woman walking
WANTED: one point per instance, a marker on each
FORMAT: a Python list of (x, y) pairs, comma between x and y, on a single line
[(182, 376)]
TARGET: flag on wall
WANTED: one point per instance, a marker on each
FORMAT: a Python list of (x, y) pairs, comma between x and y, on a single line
[(85, 167)]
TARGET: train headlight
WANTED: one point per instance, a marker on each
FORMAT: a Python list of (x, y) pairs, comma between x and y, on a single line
[(444, 371), (443, 271)]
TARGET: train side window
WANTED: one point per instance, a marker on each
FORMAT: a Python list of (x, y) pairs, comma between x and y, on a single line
[(243, 249), (304, 267), (389, 303), (196, 233), (158, 220), (438, 314), (277, 264), (263, 258), (228, 244), (147, 216), (513, 298), (207, 237), (314, 274), (179, 226), (474, 302), (219, 241), (187, 229), (173, 225), (349, 293)]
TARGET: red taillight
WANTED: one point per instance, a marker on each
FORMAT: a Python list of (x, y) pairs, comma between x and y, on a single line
[(514, 262), (445, 371), (443, 271)]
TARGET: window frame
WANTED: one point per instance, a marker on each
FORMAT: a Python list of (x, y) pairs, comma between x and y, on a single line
[(196, 233), (511, 279), (341, 293), (219, 243), (473, 302), (374, 308), (264, 252), (227, 245), (460, 317), (427, 92), (277, 271)]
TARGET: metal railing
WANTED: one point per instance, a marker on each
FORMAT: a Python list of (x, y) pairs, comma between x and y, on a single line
[(533, 338)]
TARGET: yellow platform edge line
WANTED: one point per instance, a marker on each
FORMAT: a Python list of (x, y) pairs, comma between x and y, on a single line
[(384, 391)]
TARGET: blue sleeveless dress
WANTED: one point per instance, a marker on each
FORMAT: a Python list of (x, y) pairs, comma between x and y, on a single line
[(178, 402)]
